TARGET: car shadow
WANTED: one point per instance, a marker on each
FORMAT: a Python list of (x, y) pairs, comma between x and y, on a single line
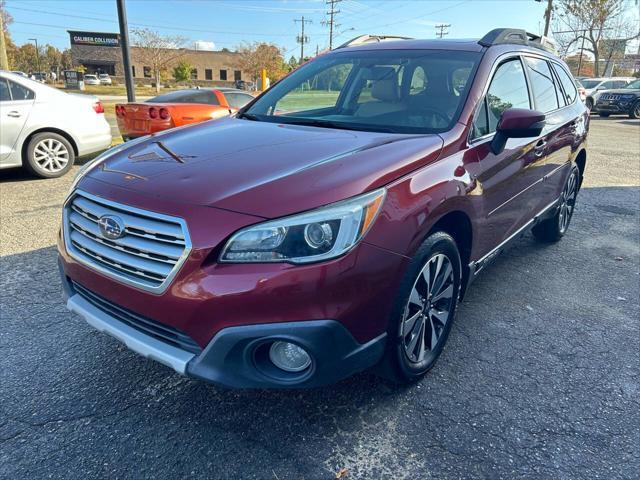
[(19, 174)]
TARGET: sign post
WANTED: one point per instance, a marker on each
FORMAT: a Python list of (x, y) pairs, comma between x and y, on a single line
[(126, 59)]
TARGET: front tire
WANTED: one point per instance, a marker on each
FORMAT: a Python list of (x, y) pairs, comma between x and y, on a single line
[(49, 155), (635, 110), (554, 228), (424, 310)]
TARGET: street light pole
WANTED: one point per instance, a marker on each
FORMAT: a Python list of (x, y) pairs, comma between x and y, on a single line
[(37, 54), (126, 58)]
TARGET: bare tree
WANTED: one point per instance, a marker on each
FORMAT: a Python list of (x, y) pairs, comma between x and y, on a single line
[(586, 23), (158, 52)]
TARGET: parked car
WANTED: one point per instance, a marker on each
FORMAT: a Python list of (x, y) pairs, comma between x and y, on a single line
[(91, 80), (595, 86), (581, 91), (334, 223), (177, 108), (45, 129), (622, 101), (22, 74), (105, 79), (39, 77)]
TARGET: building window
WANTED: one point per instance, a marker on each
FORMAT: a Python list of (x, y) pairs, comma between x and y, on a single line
[(194, 74), (237, 75), (133, 71), (223, 74), (208, 74), (146, 71)]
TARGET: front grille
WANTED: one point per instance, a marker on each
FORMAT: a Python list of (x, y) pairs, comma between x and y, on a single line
[(610, 96), (147, 255), (150, 327)]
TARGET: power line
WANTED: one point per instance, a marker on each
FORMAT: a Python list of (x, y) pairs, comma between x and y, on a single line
[(302, 38), (332, 19), (442, 29), (166, 27)]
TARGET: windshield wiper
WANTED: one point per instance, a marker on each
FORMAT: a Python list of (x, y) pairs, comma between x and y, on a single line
[(314, 122), (248, 116)]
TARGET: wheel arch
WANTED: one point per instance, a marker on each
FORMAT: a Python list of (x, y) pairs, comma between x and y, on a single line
[(581, 162), (457, 223), (58, 131)]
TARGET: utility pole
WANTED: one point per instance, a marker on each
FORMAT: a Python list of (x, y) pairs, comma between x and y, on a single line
[(126, 57), (331, 22), (35, 40), (4, 63), (301, 39), (547, 16), (441, 29)]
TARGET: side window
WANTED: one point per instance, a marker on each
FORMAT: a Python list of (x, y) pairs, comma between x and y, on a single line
[(418, 81), (544, 90), (5, 95), (619, 84), (481, 122), (18, 92), (508, 89), (237, 100), (567, 82)]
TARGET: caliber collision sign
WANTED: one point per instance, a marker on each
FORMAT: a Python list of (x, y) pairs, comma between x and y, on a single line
[(95, 39)]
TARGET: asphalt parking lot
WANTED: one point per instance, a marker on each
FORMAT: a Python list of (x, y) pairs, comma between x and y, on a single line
[(540, 378)]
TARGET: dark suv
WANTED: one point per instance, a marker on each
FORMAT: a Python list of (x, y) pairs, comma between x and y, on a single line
[(621, 101), (335, 222)]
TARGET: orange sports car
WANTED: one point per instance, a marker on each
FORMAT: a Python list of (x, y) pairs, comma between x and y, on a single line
[(177, 108)]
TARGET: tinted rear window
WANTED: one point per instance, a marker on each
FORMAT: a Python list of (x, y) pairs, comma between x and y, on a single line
[(187, 96)]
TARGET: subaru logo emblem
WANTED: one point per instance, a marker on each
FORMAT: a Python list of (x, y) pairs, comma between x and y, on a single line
[(111, 227)]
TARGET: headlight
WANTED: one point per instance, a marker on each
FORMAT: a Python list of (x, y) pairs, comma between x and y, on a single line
[(312, 236)]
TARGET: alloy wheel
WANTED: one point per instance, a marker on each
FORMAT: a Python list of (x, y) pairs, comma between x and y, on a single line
[(51, 155), (427, 311), (636, 110), (567, 202)]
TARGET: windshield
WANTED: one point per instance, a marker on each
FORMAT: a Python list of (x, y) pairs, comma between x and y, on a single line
[(634, 85), (591, 83), (400, 91)]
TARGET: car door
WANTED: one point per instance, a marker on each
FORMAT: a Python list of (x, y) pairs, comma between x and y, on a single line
[(559, 129), (15, 105), (508, 181)]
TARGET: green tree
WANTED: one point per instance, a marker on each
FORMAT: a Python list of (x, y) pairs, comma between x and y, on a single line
[(182, 71)]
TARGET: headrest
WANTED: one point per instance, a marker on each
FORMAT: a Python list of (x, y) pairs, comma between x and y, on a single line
[(385, 90)]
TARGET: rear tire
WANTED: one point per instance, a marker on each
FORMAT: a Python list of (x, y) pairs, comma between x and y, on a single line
[(49, 155), (424, 310), (554, 228)]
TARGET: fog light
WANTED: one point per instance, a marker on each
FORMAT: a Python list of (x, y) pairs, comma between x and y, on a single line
[(289, 357)]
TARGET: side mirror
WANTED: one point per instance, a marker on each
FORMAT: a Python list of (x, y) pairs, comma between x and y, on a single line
[(517, 123)]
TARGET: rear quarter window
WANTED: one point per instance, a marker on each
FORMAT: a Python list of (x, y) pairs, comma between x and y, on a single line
[(542, 84), (568, 85)]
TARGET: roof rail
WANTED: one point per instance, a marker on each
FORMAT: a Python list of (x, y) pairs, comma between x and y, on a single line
[(502, 36), (363, 39)]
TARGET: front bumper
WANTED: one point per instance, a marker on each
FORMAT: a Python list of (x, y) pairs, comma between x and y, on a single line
[(236, 357), (622, 108)]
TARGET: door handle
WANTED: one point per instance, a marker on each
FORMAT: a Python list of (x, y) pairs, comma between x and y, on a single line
[(13, 114), (538, 150)]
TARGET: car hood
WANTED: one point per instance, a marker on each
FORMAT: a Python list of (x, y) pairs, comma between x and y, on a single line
[(262, 168), (623, 91)]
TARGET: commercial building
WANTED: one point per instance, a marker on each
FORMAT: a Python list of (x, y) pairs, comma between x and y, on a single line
[(100, 52)]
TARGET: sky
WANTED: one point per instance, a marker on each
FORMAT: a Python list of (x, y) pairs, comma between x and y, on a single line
[(229, 23)]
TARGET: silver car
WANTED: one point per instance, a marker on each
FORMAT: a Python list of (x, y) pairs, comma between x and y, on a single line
[(44, 129)]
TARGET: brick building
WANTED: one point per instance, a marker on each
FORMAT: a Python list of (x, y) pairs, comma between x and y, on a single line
[(100, 52)]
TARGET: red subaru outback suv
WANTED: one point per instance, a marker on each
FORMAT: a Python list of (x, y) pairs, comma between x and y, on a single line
[(335, 222)]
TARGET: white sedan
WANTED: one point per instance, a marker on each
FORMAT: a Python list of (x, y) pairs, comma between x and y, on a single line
[(44, 129), (91, 80)]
